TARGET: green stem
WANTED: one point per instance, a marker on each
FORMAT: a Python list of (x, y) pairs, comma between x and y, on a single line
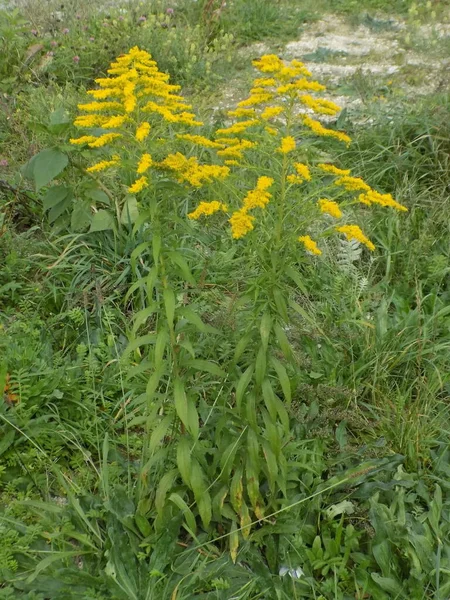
[(284, 168)]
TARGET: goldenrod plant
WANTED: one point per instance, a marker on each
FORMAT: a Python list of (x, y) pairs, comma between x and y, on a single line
[(268, 189)]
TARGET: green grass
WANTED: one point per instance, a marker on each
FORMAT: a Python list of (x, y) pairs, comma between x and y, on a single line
[(88, 456)]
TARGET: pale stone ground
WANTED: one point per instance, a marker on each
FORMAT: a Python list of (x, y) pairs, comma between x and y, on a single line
[(411, 62)]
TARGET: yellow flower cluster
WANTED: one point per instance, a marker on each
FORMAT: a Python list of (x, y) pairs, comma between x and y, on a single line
[(237, 127), (310, 245), (241, 222), (330, 207), (142, 131), (317, 128), (144, 164), (189, 169), (333, 170), (199, 140), (352, 184), (104, 164), (353, 232), (303, 173), (271, 111), (320, 105), (287, 145), (207, 209), (138, 185), (374, 197), (236, 149)]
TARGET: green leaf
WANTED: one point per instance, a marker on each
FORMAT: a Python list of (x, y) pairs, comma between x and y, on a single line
[(283, 341), (47, 165), (202, 496), (388, 584), (282, 378), (187, 513), (242, 385), (98, 196), (54, 196), (185, 408), (160, 347), (169, 303), (81, 215), (280, 303), (234, 541), (164, 486), (143, 340), (192, 317), (101, 221), (260, 365), (265, 328), (130, 211), (181, 263), (156, 247), (184, 460), (60, 208), (159, 432), (297, 279), (142, 524), (206, 366)]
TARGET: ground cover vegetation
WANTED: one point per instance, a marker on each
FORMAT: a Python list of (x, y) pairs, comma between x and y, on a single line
[(225, 324)]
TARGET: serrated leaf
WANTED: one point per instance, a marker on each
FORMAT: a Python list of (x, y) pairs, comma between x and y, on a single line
[(101, 221), (47, 165), (54, 196), (81, 215)]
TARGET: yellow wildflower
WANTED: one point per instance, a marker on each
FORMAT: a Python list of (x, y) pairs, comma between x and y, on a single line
[(287, 145), (317, 128), (303, 171), (295, 179), (104, 139), (88, 121), (237, 127), (241, 112), (100, 106), (330, 208), (300, 84), (188, 169), (374, 197), (256, 99), (84, 139), (271, 130), (320, 105), (271, 111), (332, 169), (264, 82), (138, 185), (104, 164), (258, 197), (310, 245), (200, 140), (116, 121), (232, 163), (269, 63), (142, 131), (207, 209), (352, 184), (144, 164), (105, 93), (236, 150), (353, 232), (241, 223)]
